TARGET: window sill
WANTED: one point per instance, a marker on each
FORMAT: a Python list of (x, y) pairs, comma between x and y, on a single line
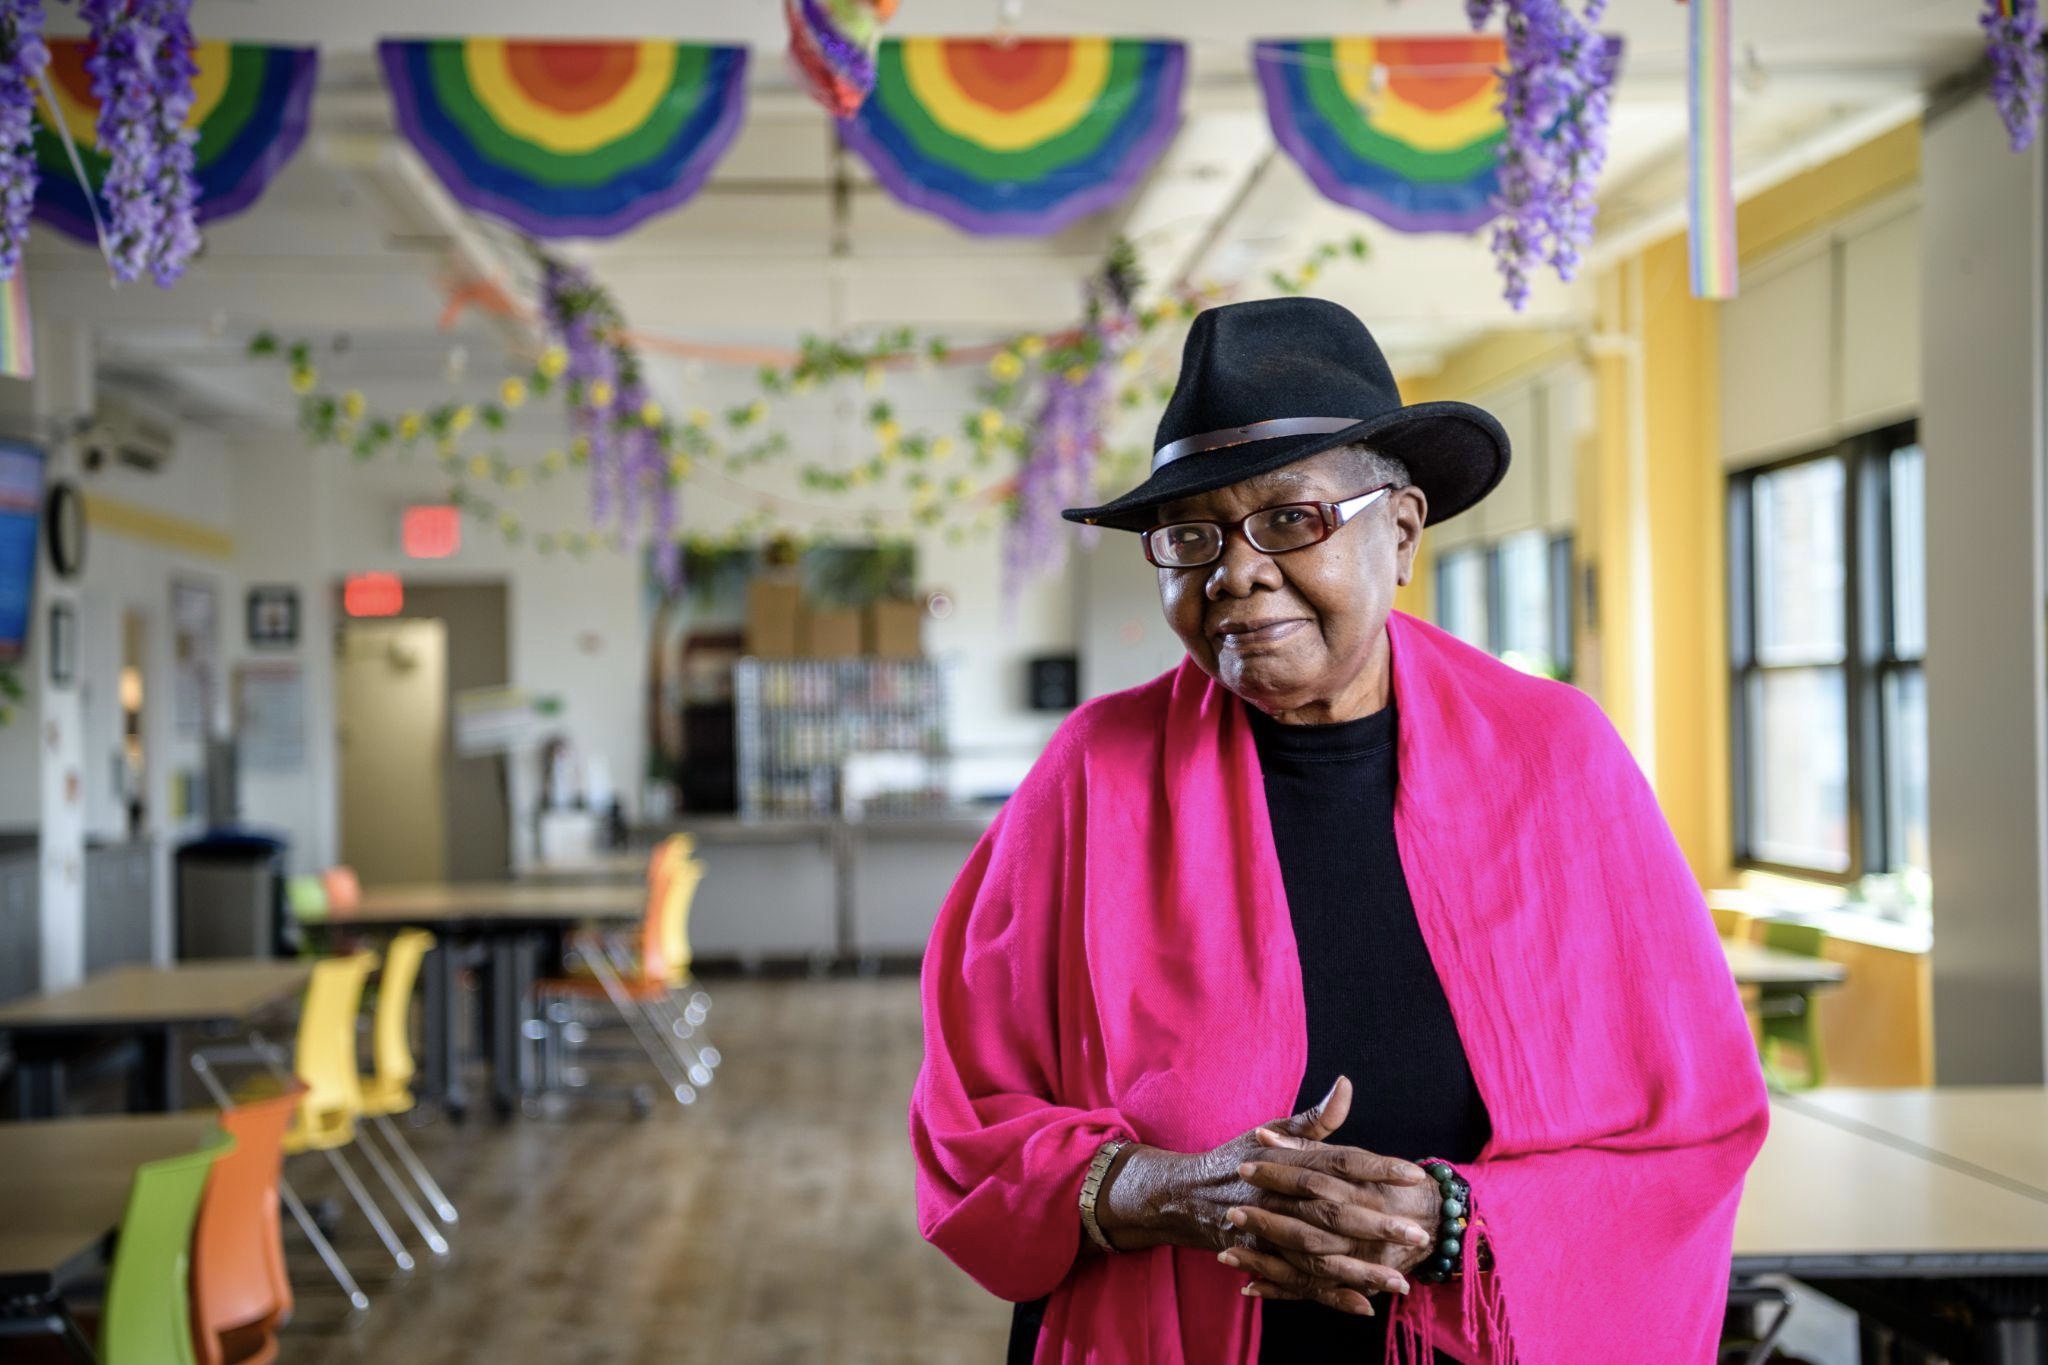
[(1914, 934), (1906, 930)]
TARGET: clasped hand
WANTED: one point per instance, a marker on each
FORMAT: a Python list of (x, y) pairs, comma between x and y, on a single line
[(1307, 1219)]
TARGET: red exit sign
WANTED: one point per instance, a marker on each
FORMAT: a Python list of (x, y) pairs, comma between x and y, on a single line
[(372, 594), (431, 531)]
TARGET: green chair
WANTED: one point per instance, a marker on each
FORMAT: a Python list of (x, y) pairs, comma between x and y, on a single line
[(148, 1314), (306, 898), (1789, 1015)]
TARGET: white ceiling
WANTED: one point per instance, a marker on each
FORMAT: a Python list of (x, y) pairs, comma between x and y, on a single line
[(355, 241)]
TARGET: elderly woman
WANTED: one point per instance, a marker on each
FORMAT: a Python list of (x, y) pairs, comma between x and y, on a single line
[(1342, 989)]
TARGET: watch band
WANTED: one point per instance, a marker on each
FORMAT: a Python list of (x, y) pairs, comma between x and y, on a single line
[(1098, 1170)]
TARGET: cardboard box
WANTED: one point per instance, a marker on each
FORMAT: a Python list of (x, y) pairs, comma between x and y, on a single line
[(832, 633), (775, 613), (895, 629)]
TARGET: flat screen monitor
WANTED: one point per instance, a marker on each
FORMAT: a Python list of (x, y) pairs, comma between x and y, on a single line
[(21, 506)]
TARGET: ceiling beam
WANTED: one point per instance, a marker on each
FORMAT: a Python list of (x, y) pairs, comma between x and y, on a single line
[(408, 192)]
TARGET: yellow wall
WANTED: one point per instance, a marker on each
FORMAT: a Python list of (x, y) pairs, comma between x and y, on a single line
[(1688, 654)]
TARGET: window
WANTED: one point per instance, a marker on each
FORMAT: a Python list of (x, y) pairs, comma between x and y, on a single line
[(1461, 595), (1827, 600), (1511, 598)]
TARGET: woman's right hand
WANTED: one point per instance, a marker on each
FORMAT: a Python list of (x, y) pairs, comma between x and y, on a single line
[(1153, 1197)]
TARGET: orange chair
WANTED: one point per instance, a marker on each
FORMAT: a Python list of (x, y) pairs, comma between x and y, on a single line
[(344, 891), (241, 1293), (324, 1120), (636, 986)]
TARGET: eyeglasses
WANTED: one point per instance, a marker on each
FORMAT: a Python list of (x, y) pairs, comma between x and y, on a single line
[(1271, 530)]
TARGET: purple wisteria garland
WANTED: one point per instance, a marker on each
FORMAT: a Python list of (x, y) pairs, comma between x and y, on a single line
[(142, 71), (22, 59), (1067, 440), (123, 51), (1555, 96), (176, 186), (614, 420), (2019, 67)]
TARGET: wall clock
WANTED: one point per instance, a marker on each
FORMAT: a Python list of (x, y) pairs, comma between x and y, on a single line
[(64, 527)]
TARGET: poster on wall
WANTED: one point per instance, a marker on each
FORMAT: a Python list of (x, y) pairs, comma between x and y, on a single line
[(195, 654), (21, 504), (270, 716)]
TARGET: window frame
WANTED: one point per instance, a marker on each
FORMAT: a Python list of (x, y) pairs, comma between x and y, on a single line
[(1869, 653), (1562, 627)]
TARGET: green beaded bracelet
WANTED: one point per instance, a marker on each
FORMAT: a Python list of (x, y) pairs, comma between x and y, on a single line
[(1453, 1219)]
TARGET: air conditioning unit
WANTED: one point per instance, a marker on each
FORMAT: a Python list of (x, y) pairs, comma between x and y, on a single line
[(125, 436)]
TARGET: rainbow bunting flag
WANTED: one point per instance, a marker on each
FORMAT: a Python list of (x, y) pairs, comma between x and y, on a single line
[(1020, 138), (1405, 129), (17, 340), (250, 106), (1710, 201), (567, 139)]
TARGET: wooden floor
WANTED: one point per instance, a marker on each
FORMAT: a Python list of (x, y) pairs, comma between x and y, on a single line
[(773, 1221)]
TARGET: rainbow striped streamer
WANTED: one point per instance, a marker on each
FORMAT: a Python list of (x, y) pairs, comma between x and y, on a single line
[(1405, 129), (250, 106), (1711, 200), (567, 139), (17, 339), (1018, 139)]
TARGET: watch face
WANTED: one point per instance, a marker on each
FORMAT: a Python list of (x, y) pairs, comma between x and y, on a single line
[(64, 524)]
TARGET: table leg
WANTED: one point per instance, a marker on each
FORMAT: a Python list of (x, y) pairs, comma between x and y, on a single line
[(153, 1084), (503, 1011), (441, 1030), (1989, 1321), (39, 1087), (2007, 1316), (531, 946)]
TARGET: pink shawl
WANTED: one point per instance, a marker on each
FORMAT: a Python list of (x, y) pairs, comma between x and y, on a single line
[(1117, 959)]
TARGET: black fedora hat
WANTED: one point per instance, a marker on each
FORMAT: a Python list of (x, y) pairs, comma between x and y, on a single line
[(1266, 383)]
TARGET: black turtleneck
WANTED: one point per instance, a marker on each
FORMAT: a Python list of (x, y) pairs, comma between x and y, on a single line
[(1376, 1010)]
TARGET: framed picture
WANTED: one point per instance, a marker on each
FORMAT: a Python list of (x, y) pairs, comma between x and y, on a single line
[(273, 617), (63, 645)]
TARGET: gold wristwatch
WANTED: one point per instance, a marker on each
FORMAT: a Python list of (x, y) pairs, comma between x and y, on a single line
[(1098, 1171)]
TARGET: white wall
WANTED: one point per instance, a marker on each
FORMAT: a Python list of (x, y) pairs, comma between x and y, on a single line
[(40, 752), (126, 574)]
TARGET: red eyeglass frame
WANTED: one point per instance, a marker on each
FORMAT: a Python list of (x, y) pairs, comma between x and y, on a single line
[(1334, 516)]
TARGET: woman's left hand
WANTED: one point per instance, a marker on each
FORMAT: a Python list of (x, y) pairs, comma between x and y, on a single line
[(1316, 1206)]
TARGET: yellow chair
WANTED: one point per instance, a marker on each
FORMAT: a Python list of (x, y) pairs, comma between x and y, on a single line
[(324, 1057), (387, 1091)]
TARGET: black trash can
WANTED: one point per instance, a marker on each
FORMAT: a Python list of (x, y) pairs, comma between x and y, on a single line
[(230, 899)]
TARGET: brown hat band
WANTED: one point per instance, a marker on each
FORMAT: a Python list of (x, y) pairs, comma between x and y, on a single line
[(1257, 431)]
